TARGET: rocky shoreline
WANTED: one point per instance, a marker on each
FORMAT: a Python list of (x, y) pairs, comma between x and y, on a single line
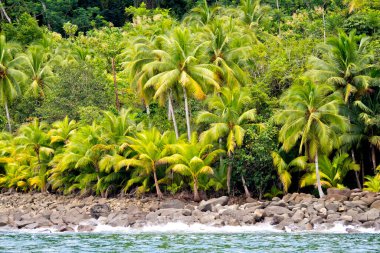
[(294, 212)]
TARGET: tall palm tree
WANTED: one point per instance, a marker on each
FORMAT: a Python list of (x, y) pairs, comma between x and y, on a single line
[(180, 64), (10, 76), (226, 120), (369, 116), (345, 63), (150, 147), (38, 68), (192, 159), (310, 117), (229, 50)]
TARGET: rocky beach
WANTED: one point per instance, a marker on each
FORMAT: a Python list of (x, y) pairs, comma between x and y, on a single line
[(294, 212)]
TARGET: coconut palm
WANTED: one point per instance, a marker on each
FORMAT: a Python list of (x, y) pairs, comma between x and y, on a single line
[(369, 116), (310, 118), (150, 147), (372, 184), (226, 119), (62, 131), (229, 50), (78, 167), (118, 127), (202, 14), (38, 68), (180, 63), (345, 63), (332, 172), (10, 76), (283, 168), (33, 144), (193, 159), (252, 11)]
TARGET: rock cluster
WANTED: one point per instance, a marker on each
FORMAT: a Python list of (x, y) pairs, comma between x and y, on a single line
[(292, 212)]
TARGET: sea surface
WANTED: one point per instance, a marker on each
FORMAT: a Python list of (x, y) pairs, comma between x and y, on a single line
[(197, 239)]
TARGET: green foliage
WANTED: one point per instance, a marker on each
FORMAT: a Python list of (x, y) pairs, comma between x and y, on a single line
[(125, 72), (24, 31), (77, 91)]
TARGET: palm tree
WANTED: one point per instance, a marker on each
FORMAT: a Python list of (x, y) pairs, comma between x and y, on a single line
[(355, 4), (229, 50), (345, 64), (118, 127), (252, 11), (283, 168), (332, 172), (202, 14), (227, 119), (38, 68), (181, 63), (10, 76), (62, 131), (33, 138), (369, 116), (150, 147), (310, 117), (78, 166), (372, 184), (192, 159)]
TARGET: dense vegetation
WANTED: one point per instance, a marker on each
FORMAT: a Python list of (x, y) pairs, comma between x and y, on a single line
[(260, 98)]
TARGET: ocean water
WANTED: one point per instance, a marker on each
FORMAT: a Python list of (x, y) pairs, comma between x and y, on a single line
[(176, 238)]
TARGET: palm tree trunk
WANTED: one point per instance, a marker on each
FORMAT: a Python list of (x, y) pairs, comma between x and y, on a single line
[(173, 115), (247, 193), (187, 114), (321, 194), (158, 191), (8, 116), (229, 172), (115, 84), (4, 13), (356, 173), (373, 157), (196, 193), (279, 20), (324, 21)]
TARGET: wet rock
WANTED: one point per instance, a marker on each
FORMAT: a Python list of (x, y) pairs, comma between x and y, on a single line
[(209, 204), (372, 214), (73, 216), (277, 219), (259, 214), (298, 216), (56, 217), (346, 218), (3, 219), (207, 218), (121, 220), (86, 228), (100, 210)]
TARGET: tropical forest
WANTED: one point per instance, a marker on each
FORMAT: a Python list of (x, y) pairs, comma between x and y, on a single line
[(159, 97)]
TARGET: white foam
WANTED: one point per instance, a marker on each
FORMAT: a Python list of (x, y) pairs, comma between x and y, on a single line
[(194, 228), (179, 227)]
